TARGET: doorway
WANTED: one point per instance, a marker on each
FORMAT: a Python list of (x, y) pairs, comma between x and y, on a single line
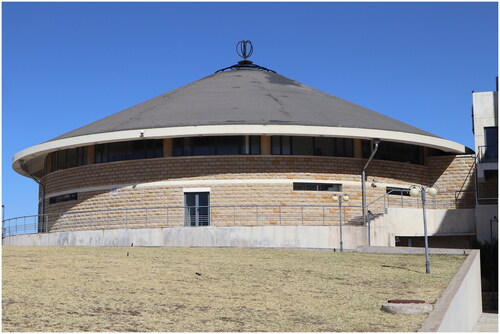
[(197, 209)]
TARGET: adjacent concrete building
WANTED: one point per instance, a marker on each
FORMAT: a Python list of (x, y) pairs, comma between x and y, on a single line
[(485, 128), (248, 147)]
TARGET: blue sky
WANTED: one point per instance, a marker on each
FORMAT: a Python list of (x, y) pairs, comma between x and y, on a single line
[(68, 64)]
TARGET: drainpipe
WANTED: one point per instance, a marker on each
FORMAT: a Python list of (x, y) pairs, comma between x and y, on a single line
[(42, 209), (363, 180)]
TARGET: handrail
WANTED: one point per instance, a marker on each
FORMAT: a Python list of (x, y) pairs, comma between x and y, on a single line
[(434, 201), (482, 152), (167, 216), (472, 168), (181, 207)]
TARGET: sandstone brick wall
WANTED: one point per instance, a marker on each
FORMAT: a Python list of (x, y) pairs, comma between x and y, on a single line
[(454, 175), (445, 171)]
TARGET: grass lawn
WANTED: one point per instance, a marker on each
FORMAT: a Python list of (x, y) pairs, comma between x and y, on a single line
[(203, 289)]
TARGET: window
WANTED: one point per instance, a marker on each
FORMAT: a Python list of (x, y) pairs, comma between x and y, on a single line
[(63, 198), (69, 158), (197, 208), (395, 152), (491, 141), (303, 145), (129, 150), (320, 146), (317, 186), (216, 145), (397, 191)]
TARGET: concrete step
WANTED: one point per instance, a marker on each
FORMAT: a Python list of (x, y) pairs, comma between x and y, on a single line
[(487, 323)]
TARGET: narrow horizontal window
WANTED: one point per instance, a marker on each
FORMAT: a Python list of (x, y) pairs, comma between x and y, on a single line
[(317, 186), (397, 191), (63, 198)]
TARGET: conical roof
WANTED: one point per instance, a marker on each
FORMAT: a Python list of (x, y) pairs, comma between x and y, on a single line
[(245, 96), (243, 99)]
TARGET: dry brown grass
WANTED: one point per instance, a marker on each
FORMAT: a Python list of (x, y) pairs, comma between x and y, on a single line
[(158, 289)]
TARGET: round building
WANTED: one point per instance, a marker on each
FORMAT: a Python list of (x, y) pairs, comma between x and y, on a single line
[(243, 147)]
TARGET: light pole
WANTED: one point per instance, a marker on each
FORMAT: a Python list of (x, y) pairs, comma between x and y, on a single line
[(339, 199), (495, 219), (431, 190), (370, 217)]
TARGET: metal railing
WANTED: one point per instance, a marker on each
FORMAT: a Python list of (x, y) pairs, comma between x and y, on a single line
[(487, 153), (232, 215), (176, 216), (401, 199)]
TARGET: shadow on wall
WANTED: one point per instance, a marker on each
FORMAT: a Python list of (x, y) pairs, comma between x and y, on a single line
[(456, 242), (401, 171), (462, 218)]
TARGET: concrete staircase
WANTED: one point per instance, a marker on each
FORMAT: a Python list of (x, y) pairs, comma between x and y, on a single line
[(358, 220)]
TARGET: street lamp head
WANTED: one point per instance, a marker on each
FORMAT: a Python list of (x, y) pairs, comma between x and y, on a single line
[(345, 198), (432, 191), (335, 198), (414, 191)]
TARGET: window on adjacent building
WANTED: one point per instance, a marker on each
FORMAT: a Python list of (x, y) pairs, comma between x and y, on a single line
[(491, 141), (397, 191), (63, 198), (129, 150), (319, 146), (216, 145), (317, 186)]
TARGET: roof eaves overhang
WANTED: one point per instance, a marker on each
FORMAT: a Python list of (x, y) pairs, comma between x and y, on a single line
[(234, 129)]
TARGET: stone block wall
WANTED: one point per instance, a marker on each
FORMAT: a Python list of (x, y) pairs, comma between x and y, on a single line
[(454, 175), (160, 183)]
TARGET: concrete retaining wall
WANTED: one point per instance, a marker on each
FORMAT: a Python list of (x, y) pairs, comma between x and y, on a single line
[(460, 305), (409, 222), (248, 236)]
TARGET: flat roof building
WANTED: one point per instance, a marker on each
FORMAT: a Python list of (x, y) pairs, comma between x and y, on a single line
[(485, 129)]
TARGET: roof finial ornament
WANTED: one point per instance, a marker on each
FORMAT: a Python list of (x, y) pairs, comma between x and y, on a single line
[(244, 49)]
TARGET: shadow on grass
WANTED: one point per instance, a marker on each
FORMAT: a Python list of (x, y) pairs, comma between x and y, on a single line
[(396, 267)]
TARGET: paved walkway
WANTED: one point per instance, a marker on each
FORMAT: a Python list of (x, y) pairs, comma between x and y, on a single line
[(487, 323)]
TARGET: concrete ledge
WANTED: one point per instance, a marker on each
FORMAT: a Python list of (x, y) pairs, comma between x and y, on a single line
[(323, 237), (459, 307), (411, 250)]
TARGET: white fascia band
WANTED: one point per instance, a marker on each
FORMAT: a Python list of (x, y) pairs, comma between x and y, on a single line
[(236, 129)]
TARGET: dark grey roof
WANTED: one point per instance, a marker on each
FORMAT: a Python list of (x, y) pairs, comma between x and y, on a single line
[(244, 97)]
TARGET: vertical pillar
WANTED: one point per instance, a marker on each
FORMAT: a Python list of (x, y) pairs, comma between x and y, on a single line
[(358, 148), (48, 163), (265, 145), (425, 154), (90, 154), (167, 147)]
